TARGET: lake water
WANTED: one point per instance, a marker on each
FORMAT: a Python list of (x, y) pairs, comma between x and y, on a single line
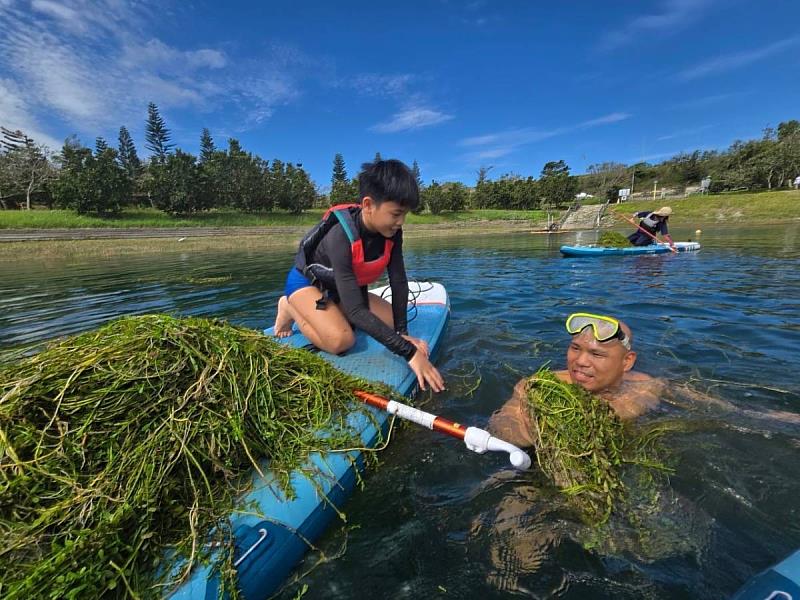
[(438, 521)]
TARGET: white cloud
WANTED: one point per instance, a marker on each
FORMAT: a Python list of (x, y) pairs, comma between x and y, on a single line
[(684, 133), (513, 138), (707, 100), (14, 116), (411, 118), (673, 17), (97, 66), (721, 64), (381, 85)]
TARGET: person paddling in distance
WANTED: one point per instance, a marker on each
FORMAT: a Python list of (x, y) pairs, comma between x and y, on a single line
[(600, 359), (653, 222), (326, 289)]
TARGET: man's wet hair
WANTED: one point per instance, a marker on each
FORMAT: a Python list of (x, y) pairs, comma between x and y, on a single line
[(389, 180)]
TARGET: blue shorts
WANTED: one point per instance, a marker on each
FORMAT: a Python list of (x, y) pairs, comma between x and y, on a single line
[(295, 280)]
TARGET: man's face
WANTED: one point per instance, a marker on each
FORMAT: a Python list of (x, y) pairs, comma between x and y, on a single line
[(386, 218), (597, 366)]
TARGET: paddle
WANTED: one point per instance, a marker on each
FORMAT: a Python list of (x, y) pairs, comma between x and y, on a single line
[(640, 228), (477, 440)]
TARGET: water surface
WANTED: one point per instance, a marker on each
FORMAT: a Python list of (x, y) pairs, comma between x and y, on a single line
[(437, 520)]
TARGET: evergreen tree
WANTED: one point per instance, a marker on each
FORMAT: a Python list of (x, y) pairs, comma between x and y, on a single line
[(339, 170), (555, 183), (100, 145), (157, 134), (417, 175), (339, 185), (207, 147), (90, 183), (377, 157), (126, 155)]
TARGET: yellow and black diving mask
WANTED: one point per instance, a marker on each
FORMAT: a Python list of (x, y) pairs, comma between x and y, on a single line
[(604, 328)]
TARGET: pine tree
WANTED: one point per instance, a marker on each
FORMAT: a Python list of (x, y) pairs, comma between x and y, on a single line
[(157, 134), (100, 145), (339, 170), (378, 157), (417, 176), (207, 147), (127, 157)]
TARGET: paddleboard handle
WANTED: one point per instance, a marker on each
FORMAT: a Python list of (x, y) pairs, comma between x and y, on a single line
[(476, 439)]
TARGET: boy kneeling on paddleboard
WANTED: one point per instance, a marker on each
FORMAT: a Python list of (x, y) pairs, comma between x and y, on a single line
[(353, 245)]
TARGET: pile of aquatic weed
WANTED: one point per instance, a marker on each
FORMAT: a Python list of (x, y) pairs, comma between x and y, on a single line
[(584, 448), (123, 450), (613, 239)]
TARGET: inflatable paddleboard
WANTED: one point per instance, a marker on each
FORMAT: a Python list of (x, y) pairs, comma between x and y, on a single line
[(273, 537), (780, 582), (632, 250)]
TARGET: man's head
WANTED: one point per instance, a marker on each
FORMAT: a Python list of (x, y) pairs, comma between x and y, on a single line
[(388, 191), (599, 365)]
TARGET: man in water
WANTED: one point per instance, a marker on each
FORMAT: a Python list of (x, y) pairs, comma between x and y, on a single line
[(600, 359), (654, 223)]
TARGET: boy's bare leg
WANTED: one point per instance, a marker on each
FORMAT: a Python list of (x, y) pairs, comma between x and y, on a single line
[(381, 309), (327, 329)]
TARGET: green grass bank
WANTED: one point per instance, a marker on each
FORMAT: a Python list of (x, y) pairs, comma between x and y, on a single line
[(742, 208), (151, 218)]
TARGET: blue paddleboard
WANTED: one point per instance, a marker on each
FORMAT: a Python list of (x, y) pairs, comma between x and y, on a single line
[(779, 582), (632, 250), (274, 535)]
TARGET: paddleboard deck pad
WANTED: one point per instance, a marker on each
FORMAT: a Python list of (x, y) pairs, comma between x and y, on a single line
[(630, 251), (274, 536)]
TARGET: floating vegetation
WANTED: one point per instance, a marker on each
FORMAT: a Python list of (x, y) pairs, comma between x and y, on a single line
[(613, 239), (123, 451), (583, 447)]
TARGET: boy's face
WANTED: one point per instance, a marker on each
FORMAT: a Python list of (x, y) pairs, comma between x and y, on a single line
[(386, 218)]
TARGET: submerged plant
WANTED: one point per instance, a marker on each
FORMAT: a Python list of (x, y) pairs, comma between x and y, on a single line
[(123, 450), (583, 447), (613, 239)]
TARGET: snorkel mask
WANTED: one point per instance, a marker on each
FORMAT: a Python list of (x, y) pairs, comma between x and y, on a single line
[(604, 328)]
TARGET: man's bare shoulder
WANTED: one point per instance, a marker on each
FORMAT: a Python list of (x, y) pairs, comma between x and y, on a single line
[(638, 376)]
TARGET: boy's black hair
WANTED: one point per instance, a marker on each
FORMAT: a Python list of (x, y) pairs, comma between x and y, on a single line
[(389, 180)]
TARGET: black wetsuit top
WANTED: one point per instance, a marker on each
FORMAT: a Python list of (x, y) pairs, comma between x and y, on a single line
[(334, 251)]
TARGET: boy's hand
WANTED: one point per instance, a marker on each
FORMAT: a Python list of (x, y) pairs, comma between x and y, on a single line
[(426, 373), (420, 345)]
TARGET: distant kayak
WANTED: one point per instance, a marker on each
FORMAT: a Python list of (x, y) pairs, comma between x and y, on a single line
[(607, 251)]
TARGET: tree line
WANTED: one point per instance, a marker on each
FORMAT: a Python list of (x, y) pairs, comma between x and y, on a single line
[(105, 180)]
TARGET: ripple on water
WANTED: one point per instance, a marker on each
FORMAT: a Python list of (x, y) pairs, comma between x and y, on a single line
[(437, 520)]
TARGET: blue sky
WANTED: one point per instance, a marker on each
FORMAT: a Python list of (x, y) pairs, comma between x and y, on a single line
[(454, 85)]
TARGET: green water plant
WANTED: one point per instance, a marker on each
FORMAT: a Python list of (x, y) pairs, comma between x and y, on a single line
[(124, 450), (583, 447), (613, 239)]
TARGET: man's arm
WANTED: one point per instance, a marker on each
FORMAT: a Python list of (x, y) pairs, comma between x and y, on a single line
[(764, 414), (512, 423)]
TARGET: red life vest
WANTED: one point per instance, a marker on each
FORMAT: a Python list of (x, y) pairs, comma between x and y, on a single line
[(366, 272)]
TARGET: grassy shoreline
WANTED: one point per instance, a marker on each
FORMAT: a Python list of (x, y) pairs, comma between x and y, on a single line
[(762, 207), (146, 218), (746, 208), (719, 210)]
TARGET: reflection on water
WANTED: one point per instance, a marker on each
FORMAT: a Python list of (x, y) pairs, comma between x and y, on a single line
[(438, 520)]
